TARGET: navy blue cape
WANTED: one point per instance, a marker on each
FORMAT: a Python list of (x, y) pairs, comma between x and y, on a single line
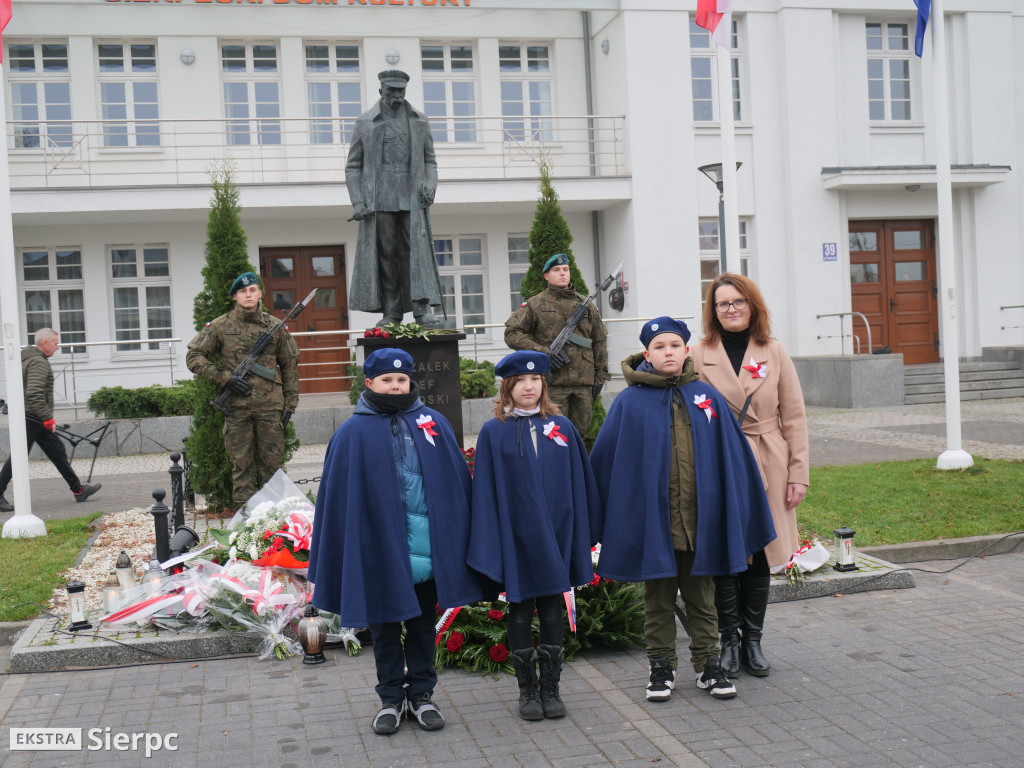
[(359, 556), (532, 511), (631, 463)]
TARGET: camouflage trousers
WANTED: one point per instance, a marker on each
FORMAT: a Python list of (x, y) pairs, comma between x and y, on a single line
[(576, 404), (254, 442)]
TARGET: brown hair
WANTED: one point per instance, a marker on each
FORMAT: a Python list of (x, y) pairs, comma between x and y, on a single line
[(760, 325), (504, 400)]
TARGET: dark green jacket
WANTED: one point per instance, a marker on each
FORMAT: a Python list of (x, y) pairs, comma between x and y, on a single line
[(682, 482), (37, 376)]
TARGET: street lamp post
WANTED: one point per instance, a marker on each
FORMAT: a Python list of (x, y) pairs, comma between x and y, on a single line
[(714, 172)]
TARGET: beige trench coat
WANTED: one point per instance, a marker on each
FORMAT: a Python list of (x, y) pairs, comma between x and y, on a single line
[(775, 425)]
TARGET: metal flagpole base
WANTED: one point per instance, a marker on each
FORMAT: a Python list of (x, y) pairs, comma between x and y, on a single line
[(954, 460), (24, 527)]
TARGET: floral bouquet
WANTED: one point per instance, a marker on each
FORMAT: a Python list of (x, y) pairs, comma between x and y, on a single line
[(808, 558)]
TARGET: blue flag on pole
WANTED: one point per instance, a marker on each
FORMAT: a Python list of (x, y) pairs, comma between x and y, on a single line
[(924, 7)]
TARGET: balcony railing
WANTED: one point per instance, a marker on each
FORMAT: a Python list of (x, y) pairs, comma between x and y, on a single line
[(103, 153)]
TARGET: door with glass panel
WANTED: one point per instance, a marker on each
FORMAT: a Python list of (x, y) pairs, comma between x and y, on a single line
[(893, 284), (289, 274)]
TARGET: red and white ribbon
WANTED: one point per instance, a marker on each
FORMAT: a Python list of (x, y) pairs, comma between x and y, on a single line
[(298, 530), (757, 370), (552, 432), (704, 403), (570, 608), (444, 622), (142, 609), (269, 595), (427, 424)]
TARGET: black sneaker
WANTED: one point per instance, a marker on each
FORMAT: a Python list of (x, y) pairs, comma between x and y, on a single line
[(715, 681), (663, 680), (426, 713), (389, 718), (5, 506), (86, 491)]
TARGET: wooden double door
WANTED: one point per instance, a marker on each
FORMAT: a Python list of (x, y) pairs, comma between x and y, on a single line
[(289, 274), (893, 284)]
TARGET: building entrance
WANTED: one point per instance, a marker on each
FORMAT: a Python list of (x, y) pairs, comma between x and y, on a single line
[(289, 274), (893, 283)]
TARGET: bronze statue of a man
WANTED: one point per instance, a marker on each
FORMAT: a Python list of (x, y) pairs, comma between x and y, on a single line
[(391, 175)]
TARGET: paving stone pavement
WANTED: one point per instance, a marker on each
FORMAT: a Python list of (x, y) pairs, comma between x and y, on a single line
[(869, 680)]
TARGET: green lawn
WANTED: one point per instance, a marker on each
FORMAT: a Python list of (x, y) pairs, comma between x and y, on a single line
[(30, 569), (902, 501)]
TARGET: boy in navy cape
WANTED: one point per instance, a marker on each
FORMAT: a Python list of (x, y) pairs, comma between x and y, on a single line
[(533, 497), (390, 534), (683, 501)]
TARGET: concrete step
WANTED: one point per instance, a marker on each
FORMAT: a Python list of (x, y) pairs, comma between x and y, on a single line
[(965, 386), (985, 394), (932, 378), (965, 365)]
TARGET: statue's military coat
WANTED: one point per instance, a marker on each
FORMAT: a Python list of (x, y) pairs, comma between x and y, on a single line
[(361, 173)]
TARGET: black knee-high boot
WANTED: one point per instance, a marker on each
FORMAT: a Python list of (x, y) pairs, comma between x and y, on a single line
[(754, 591), (727, 601)]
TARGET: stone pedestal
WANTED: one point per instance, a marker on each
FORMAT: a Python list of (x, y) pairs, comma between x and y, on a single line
[(436, 360)]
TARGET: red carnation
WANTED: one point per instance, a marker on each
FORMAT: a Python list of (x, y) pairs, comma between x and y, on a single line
[(499, 653), (454, 644), (495, 614), (595, 581)]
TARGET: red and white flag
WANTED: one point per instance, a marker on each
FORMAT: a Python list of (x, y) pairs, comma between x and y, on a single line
[(5, 18), (716, 17)]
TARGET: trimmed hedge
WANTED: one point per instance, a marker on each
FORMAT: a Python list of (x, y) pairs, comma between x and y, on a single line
[(142, 403)]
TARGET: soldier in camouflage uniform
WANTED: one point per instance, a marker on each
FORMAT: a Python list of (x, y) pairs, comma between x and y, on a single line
[(261, 404), (579, 371)]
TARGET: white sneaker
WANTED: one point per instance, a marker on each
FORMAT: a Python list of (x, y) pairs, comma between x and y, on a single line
[(663, 680)]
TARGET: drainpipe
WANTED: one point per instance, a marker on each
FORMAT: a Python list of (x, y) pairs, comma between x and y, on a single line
[(595, 217)]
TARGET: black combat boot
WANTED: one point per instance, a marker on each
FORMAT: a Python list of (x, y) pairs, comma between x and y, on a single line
[(754, 592), (550, 659), (525, 664), (727, 601)]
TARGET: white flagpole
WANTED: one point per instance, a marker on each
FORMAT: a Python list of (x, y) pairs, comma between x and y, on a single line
[(24, 523), (954, 457), (728, 138)]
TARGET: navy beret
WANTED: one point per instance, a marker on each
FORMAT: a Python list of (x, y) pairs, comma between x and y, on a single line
[(523, 362), (558, 258), (387, 360), (660, 325), (244, 280)]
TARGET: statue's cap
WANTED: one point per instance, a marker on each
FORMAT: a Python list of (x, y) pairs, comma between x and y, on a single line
[(395, 78)]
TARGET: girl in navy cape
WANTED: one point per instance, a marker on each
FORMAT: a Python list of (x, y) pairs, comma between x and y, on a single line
[(533, 496)]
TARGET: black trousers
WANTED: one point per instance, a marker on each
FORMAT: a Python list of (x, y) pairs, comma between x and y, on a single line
[(53, 447), (393, 263), (394, 683)]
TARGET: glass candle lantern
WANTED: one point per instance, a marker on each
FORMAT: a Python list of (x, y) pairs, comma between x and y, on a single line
[(846, 553), (111, 594), (76, 606)]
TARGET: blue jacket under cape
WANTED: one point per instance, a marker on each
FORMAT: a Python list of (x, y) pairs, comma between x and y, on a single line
[(630, 460), (359, 556), (532, 510)]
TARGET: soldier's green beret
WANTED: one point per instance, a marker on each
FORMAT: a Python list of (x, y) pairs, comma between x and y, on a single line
[(244, 280), (558, 258)]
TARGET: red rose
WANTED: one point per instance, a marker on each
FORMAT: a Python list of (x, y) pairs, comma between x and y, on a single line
[(595, 581), (268, 534), (495, 614), (499, 652), (367, 333), (454, 642), (385, 334)]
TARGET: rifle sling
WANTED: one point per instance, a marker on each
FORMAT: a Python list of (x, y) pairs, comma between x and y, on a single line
[(580, 341), (262, 370)]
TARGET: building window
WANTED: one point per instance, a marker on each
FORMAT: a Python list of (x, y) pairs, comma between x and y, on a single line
[(460, 264), (51, 281), (128, 94), (252, 104), (40, 82), (704, 75), (140, 276), (525, 91), (518, 263), (449, 90), (889, 54), (334, 91), (711, 255)]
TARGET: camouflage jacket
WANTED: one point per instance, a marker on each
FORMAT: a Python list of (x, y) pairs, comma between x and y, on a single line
[(540, 319), (223, 344)]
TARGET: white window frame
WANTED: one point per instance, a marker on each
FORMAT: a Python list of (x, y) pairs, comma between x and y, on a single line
[(885, 57), (711, 255), (452, 112), (136, 280), (251, 128), (456, 271), (46, 79), (704, 61), (533, 121), (53, 284), (332, 119), (135, 128), (517, 244)]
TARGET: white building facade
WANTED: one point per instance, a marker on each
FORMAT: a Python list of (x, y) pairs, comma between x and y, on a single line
[(117, 109)]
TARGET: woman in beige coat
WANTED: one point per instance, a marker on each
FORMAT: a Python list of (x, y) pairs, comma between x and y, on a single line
[(755, 374)]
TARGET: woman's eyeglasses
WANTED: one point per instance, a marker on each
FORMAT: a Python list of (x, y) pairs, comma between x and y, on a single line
[(723, 306)]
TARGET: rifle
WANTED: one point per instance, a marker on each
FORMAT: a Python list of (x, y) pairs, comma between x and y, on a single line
[(221, 401), (579, 313)]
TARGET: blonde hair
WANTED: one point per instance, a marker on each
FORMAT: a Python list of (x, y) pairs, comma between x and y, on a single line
[(504, 402)]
